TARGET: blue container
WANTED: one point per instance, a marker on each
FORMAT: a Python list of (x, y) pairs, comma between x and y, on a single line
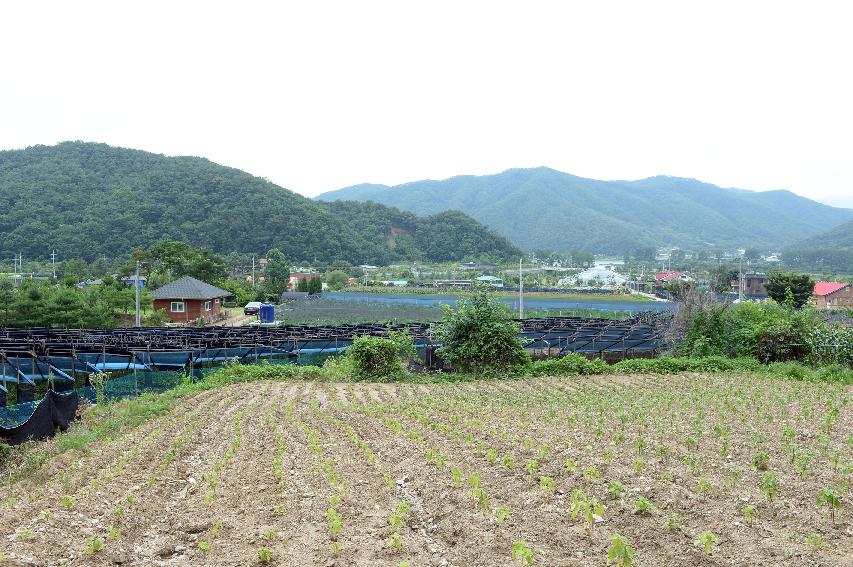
[(267, 313)]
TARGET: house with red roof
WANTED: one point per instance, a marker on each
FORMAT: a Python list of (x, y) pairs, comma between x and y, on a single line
[(669, 275), (829, 295)]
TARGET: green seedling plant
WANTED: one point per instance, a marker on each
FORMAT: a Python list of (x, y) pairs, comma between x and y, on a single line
[(749, 512), (66, 502), (591, 473), (501, 515), (94, 544), (620, 552), (704, 487), (705, 540), (829, 499), (671, 523), (769, 486), (547, 483), (204, 546), (643, 506), (761, 461), (587, 509), (264, 555), (815, 540), (570, 466), (522, 552), (114, 533), (615, 489)]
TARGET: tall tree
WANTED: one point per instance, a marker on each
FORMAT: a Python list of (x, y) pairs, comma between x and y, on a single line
[(801, 287), (277, 272)]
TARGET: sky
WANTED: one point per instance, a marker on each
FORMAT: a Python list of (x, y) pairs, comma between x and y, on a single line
[(320, 95)]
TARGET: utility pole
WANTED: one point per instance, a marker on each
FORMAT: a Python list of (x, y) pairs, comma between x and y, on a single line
[(520, 291), (253, 270), (53, 258), (136, 285), (740, 280)]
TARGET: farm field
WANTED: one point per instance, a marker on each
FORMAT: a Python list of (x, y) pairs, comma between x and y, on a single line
[(465, 474)]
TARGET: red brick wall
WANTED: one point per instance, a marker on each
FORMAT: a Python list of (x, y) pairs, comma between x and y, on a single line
[(841, 298), (195, 309)]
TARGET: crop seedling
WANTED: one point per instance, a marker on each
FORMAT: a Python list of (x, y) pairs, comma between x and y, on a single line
[(531, 466), (761, 461), (204, 547), (704, 487), (620, 551), (588, 509), (828, 498), (591, 473), (643, 506), (94, 544), (749, 511), (705, 540), (546, 483), (26, 534), (507, 461), (615, 489), (570, 466), (501, 515), (66, 502), (335, 522), (114, 533), (769, 486), (522, 552), (271, 535), (457, 476), (264, 555), (671, 522), (815, 540), (395, 542)]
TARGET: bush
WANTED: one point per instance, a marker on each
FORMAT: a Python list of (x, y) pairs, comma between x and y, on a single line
[(480, 337), (570, 365), (793, 370), (374, 358), (662, 365)]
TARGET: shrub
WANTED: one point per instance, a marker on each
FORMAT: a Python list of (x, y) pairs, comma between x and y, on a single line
[(374, 358), (480, 337), (570, 365)]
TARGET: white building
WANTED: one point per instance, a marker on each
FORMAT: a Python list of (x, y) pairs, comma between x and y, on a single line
[(603, 277)]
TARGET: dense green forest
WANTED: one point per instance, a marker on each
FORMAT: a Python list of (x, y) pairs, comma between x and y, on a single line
[(831, 251), (88, 200), (544, 208)]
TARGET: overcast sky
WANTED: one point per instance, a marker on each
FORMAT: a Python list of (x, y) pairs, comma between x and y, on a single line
[(320, 95)]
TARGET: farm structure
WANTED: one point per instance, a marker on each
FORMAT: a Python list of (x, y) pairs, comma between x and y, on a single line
[(62, 356), (188, 299)]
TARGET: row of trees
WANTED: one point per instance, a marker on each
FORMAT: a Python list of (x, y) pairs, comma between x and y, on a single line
[(39, 304)]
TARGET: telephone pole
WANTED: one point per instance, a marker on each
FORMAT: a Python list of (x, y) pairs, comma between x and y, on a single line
[(136, 285), (53, 259), (253, 270), (520, 291)]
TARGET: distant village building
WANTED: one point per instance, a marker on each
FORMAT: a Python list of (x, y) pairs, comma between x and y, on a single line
[(295, 278), (753, 285), (670, 275), (491, 280), (395, 283), (833, 294), (130, 281), (452, 283), (188, 299), (591, 277)]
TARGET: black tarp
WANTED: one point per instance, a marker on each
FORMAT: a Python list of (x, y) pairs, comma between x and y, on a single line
[(54, 410)]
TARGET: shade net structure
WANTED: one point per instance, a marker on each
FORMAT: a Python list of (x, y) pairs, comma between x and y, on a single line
[(35, 361)]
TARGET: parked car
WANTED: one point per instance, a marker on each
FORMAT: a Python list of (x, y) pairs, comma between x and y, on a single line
[(252, 308)]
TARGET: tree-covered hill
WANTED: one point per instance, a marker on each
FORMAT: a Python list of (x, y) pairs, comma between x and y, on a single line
[(86, 200), (829, 252), (544, 208)]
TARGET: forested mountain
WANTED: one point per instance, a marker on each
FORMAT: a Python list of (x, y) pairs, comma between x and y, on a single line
[(829, 252), (86, 200), (544, 208)]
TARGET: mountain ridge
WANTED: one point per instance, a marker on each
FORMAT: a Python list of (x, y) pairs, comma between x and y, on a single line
[(85, 199), (544, 208)]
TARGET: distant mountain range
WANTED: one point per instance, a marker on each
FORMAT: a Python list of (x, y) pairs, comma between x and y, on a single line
[(542, 208), (84, 200)]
